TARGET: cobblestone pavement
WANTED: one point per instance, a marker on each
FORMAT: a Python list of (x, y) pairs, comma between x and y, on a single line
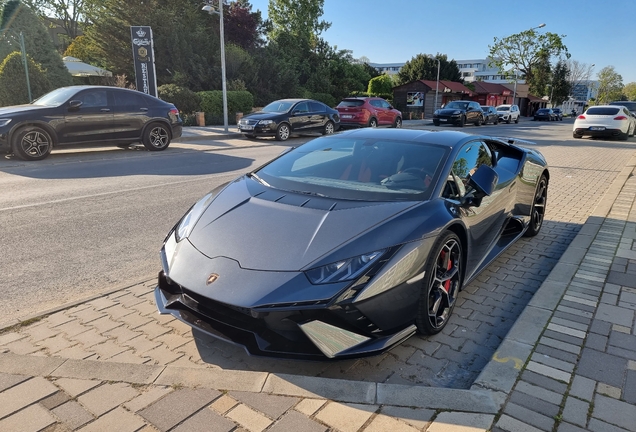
[(113, 363)]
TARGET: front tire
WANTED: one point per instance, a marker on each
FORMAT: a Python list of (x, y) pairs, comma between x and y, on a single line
[(441, 284), (282, 132), (156, 137), (517, 119), (462, 121), (479, 121), (496, 122), (537, 213), (436, 122), (32, 143), (508, 121)]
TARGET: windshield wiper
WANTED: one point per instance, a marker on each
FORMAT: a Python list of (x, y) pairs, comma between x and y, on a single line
[(309, 193), (258, 179)]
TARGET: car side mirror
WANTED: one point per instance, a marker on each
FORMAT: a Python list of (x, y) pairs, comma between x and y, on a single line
[(481, 184), (74, 105)]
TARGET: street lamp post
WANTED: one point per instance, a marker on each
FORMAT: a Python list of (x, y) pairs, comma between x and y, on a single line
[(587, 87), (25, 63), (514, 92), (437, 82), (209, 9)]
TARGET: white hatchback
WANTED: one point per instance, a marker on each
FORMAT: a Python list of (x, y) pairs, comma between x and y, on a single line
[(605, 121)]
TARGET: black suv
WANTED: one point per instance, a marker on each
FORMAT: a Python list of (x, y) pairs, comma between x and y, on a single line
[(630, 105), (459, 112)]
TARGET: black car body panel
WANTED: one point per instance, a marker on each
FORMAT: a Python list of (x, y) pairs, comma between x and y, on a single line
[(490, 114), (90, 114), (544, 114), (302, 116), (245, 263)]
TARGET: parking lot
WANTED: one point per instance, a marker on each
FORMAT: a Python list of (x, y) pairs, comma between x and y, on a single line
[(109, 210)]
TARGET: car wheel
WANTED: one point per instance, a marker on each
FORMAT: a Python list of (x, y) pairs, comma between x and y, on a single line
[(508, 121), (441, 285), (156, 137), (576, 135), (32, 143), (282, 132), (373, 123), (479, 121), (436, 123), (517, 119), (462, 121), (397, 123), (537, 212), (329, 128), (633, 131), (496, 121), (623, 136)]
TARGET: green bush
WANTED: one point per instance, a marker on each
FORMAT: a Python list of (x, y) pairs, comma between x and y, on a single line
[(237, 101), (183, 98), (386, 96), (325, 98), (13, 88)]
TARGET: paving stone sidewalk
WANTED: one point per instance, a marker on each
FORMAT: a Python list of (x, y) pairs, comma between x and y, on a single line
[(568, 363)]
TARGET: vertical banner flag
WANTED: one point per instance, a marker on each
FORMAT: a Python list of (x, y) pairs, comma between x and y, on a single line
[(144, 59)]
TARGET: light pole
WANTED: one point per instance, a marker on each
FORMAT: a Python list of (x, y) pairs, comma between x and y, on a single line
[(209, 9), (26, 64), (514, 92), (437, 82), (587, 87)]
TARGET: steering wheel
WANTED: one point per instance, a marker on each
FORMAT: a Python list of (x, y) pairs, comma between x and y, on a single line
[(417, 171)]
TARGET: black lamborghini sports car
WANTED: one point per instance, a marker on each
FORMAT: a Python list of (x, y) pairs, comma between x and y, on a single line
[(347, 245)]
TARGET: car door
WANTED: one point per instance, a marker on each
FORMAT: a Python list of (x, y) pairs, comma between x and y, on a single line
[(472, 112), (130, 114), (484, 222), (91, 121), (300, 117), (318, 115), (385, 112)]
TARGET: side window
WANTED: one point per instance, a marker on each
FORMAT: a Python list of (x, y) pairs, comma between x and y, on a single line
[(385, 104), (129, 99), (374, 102), (470, 157), (317, 107), (97, 98), (301, 108)]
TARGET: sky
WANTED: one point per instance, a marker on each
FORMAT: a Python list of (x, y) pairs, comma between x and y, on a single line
[(599, 32)]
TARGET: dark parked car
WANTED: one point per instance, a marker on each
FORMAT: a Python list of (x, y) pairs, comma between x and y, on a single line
[(544, 114), (459, 113), (88, 114), (558, 114), (284, 117), (368, 111), (630, 105), (490, 114), (350, 243)]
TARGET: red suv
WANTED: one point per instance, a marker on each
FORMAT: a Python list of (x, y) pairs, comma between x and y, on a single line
[(368, 111)]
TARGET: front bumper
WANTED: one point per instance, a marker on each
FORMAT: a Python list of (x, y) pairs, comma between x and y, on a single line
[(452, 119), (258, 129), (303, 333)]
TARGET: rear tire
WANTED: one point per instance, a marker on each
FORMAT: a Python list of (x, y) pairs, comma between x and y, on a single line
[(623, 136), (32, 143), (577, 136), (156, 137), (397, 123), (373, 123), (329, 128), (537, 212), (517, 119), (441, 284)]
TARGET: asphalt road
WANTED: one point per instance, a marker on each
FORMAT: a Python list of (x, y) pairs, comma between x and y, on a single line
[(91, 220)]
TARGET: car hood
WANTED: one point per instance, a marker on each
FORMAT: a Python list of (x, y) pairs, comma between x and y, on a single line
[(280, 231), (260, 115), (449, 110), (20, 108)]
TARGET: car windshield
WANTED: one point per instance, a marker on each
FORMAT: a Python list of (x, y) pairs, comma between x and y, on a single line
[(350, 103), (56, 97), (278, 106), (366, 169), (457, 105), (485, 108), (503, 108), (602, 111)]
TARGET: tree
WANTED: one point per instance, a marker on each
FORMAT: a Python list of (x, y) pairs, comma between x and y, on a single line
[(525, 51), (629, 91), (422, 67), (299, 19), (610, 85), (560, 85), (13, 88), (68, 13), (16, 18), (242, 27), (578, 72), (382, 84)]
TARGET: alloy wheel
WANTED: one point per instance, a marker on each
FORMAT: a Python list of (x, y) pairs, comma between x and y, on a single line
[(159, 137), (538, 206), (35, 144), (444, 288)]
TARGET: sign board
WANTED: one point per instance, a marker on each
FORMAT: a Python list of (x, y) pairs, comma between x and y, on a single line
[(144, 59), (415, 99)]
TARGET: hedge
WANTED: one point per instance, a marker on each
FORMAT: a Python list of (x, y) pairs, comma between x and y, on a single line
[(183, 98), (237, 101)]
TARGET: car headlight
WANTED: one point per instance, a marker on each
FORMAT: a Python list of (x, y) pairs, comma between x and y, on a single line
[(266, 122), (436, 112), (343, 270), (457, 112), (189, 220), (4, 122)]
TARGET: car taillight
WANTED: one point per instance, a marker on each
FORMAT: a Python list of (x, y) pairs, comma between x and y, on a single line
[(620, 118), (581, 117), (174, 111)]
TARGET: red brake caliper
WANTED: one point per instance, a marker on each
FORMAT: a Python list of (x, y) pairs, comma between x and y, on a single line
[(447, 284)]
